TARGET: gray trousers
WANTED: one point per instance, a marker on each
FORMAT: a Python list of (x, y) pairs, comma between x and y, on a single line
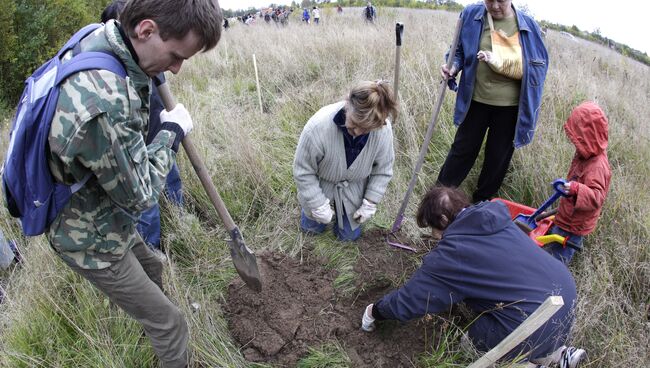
[(134, 283)]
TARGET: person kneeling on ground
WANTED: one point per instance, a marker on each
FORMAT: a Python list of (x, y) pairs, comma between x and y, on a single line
[(345, 155), (484, 260)]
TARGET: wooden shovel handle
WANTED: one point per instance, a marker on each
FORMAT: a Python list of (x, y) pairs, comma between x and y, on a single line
[(199, 167)]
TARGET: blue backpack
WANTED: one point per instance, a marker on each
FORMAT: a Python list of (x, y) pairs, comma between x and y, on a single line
[(30, 190)]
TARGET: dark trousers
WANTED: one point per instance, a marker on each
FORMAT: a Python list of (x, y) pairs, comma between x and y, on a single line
[(488, 331), (499, 122)]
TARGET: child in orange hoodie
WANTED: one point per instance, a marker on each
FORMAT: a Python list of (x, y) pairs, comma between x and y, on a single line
[(589, 177)]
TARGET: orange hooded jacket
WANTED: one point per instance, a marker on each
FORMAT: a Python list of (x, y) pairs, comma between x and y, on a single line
[(589, 173)]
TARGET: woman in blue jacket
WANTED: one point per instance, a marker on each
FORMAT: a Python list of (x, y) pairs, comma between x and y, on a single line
[(503, 62), (484, 260)]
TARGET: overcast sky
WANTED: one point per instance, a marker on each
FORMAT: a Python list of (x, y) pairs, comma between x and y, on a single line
[(621, 20)]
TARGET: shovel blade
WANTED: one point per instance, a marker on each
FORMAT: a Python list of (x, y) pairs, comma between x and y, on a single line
[(244, 260)]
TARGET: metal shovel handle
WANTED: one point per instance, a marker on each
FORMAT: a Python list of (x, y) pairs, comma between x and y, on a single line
[(427, 138)]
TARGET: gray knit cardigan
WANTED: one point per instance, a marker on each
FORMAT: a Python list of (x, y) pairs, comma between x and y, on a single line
[(320, 169)]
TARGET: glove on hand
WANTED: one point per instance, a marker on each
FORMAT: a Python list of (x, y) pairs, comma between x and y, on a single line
[(365, 212), (179, 116), (323, 214), (367, 322), (566, 188)]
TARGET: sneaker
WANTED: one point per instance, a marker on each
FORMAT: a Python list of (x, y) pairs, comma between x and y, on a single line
[(571, 357)]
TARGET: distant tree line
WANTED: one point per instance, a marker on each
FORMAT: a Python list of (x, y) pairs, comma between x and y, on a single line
[(596, 37)]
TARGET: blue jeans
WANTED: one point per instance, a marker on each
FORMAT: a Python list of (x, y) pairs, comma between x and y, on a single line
[(149, 224), (564, 254), (346, 233)]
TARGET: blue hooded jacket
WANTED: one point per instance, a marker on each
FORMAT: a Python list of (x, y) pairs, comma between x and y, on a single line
[(535, 66), (485, 260)]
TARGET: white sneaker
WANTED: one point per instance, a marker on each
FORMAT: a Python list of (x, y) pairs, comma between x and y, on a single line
[(571, 357)]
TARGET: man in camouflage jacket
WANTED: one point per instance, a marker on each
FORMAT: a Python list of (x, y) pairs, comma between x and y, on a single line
[(98, 130)]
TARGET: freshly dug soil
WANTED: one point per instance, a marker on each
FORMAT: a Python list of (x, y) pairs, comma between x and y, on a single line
[(299, 309)]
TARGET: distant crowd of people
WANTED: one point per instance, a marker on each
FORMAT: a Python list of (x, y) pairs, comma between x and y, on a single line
[(280, 15)]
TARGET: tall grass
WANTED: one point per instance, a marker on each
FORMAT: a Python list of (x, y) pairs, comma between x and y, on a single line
[(52, 318)]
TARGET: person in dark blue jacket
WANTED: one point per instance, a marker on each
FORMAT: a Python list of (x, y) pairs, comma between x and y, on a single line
[(484, 260), (503, 62), (149, 225)]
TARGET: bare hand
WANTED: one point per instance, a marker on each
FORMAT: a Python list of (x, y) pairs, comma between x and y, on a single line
[(483, 55), (446, 73)]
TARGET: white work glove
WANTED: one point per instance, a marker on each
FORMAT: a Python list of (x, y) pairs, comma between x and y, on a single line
[(365, 212), (367, 322), (323, 214), (179, 116), (566, 188)]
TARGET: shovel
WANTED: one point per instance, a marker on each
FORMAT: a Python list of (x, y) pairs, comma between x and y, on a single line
[(425, 145), (242, 257), (399, 31), (528, 223)]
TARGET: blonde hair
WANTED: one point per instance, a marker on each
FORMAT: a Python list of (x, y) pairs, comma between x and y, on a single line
[(370, 103)]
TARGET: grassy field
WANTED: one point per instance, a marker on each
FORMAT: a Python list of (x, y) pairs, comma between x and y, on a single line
[(52, 318)]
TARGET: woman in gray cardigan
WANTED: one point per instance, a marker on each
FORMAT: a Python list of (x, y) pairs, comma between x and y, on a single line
[(345, 158)]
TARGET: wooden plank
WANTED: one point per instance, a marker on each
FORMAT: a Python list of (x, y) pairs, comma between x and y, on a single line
[(545, 311)]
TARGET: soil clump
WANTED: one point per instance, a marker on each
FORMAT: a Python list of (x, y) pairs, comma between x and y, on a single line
[(299, 309)]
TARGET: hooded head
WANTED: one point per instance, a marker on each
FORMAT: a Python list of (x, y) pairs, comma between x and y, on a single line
[(587, 129)]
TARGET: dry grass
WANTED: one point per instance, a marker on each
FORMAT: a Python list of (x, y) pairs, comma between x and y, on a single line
[(249, 156)]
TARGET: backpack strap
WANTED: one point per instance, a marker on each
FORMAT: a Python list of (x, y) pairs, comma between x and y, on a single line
[(90, 60), (77, 37), (74, 188)]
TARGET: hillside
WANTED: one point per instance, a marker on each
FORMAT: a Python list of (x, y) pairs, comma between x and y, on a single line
[(53, 318)]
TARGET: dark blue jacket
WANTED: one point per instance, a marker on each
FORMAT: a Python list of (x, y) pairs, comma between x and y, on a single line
[(484, 260), (535, 62), (353, 145), (149, 224)]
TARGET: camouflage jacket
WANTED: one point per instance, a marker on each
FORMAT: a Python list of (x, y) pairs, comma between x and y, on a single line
[(99, 128)]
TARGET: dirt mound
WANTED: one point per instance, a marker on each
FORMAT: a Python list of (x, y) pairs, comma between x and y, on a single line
[(299, 309)]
